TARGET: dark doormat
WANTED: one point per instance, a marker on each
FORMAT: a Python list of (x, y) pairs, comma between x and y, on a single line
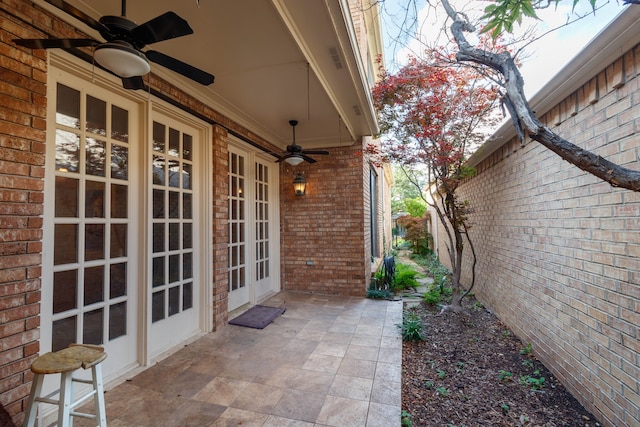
[(257, 317)]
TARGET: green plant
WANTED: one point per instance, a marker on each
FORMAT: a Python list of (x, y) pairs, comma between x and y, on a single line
[(405, 418), (528, 363), (378, 294), (505, 375), (442, 391), (441, 374), (526, 350), (411, 327), (534, 382), (506, 333), (432, 297), (505, 407), (405, 277), (428, 384)]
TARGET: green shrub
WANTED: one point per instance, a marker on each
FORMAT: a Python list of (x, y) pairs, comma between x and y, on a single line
[(432, 297), (411, 327), (378, 294), (405, 277)]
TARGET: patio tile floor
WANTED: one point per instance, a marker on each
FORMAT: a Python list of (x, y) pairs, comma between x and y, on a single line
[(327, 361)]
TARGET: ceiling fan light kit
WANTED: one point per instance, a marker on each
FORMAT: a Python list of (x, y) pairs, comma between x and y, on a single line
[(294, 160), (122, 53), (122, 59)]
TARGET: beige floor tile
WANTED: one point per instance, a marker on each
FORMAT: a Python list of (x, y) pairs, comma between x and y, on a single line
[(310, 334), (357, 368), (234, 417), (307, 380), (352, 319), (301, 345), (387, 392), (341, 412), (366, 340), (362, 352), (153, 407), (273, 421), (328, 348), (388, 372), (351, 387), (390, 355), (221, 391), (280, 377), (372, 330), (300, 405), (195, 413), (338, 337), (318, 325), (322, 363), (258, 398), (391, 342), (381, 415), (343, 327)]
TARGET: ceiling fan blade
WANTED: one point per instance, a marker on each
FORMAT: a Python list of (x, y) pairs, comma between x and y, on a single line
[(78, 14), (54, 43), (135, 82), (166, 26), (323, 152), (307, 158), (180, 67)]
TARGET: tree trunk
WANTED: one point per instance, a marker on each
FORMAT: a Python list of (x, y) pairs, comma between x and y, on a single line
[(523, 118), (456, 266)]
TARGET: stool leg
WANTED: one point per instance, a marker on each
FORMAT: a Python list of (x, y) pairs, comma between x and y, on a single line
[(66, 397), (32, 406), (101, 416)]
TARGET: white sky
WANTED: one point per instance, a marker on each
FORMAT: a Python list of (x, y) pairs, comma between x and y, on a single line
[(545, 57)]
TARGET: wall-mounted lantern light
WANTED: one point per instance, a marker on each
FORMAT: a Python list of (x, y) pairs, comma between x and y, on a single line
[(299, 185)]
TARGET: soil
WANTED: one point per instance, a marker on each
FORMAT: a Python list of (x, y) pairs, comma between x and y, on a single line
[(467, 372)]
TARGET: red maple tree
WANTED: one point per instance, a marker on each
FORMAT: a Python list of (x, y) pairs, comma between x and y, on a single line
[(431, 116)]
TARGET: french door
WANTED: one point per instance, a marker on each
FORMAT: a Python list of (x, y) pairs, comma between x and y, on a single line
[(174, 215), (126, 242), (253, 233), (90, 247)]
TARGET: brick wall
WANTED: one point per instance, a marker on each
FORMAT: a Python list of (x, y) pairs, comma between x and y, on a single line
[(325, 226), (220, 193), (559, 250), (22, 148)]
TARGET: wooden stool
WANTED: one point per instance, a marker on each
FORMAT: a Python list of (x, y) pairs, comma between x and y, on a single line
[(65, 362)]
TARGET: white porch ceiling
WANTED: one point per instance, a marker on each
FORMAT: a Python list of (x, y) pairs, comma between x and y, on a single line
[(273, 61)]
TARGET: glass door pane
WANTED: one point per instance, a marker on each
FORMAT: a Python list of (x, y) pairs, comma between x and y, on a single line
[(172, 243), (91, 220), (238, 290)]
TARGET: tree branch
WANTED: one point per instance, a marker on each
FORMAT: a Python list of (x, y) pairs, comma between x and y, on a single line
[(524, 119)]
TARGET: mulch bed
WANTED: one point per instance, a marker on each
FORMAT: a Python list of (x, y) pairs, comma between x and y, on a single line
[(468, 371)]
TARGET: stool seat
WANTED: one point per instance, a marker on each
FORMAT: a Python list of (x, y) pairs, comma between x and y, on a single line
[(65, 362), (68, 359)]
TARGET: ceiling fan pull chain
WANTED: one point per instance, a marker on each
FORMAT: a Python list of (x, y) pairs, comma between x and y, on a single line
[(308, 94)]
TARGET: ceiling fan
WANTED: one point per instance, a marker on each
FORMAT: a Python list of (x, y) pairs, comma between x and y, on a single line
[(121, 53), (295, 153)]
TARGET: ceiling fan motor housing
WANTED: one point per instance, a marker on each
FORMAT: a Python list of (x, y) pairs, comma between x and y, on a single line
[(119, 29)]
